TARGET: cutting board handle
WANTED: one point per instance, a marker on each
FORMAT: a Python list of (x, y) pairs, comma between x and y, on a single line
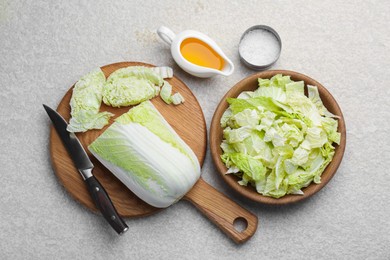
[(222, 211)]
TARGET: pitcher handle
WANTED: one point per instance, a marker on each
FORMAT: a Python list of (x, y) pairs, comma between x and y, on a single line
[(166, 34)]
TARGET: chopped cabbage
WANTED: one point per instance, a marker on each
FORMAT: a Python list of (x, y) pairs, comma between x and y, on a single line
[(177, 98), (124, 87), (166, 92), (85, 103), (143, 151), (277, 139)]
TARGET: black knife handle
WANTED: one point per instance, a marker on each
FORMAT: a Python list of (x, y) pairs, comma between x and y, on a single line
[(104, 204)]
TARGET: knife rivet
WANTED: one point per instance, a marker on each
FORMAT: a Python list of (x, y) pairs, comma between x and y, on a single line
[(113, 217), (96, 188)]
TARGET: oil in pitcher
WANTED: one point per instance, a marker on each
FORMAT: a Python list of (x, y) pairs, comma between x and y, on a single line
[(201, 54), (196, 53)]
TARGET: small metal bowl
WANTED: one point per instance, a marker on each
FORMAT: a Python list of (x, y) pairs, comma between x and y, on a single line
[(266, 65)]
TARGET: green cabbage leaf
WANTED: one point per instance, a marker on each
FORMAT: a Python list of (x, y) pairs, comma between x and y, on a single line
[(131, 85), (85, 103)]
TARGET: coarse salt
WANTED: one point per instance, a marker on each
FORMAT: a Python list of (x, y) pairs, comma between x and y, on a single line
[(259, 47)]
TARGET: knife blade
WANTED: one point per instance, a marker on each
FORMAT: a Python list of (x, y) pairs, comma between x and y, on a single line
[(85, 167)]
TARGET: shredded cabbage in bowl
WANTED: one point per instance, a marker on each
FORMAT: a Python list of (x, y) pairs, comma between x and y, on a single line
[(276, 138)]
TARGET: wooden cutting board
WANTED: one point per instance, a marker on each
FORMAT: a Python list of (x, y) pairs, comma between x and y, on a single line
[(188, 121)]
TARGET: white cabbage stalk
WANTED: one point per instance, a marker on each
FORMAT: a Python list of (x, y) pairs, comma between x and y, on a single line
[(166, 92), (177, 98), (164, 72), (144, 152)]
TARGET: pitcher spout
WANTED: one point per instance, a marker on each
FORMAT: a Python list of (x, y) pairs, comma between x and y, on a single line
[(228, 69)]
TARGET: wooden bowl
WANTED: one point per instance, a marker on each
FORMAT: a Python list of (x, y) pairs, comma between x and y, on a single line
[(250, 84)]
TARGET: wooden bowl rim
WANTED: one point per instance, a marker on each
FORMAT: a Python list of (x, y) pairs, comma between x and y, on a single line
[(249, 192)]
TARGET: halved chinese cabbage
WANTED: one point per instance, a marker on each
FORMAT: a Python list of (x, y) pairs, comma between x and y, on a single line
[(143, 151)]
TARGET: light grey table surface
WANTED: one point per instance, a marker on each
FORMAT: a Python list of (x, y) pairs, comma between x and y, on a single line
[(45, 46)]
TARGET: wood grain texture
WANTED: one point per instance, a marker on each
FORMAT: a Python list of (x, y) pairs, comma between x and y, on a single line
[(249, 84), (188, 121), (222, 211)]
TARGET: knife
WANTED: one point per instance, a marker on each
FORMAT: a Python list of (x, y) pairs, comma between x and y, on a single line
[(85, 166)]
